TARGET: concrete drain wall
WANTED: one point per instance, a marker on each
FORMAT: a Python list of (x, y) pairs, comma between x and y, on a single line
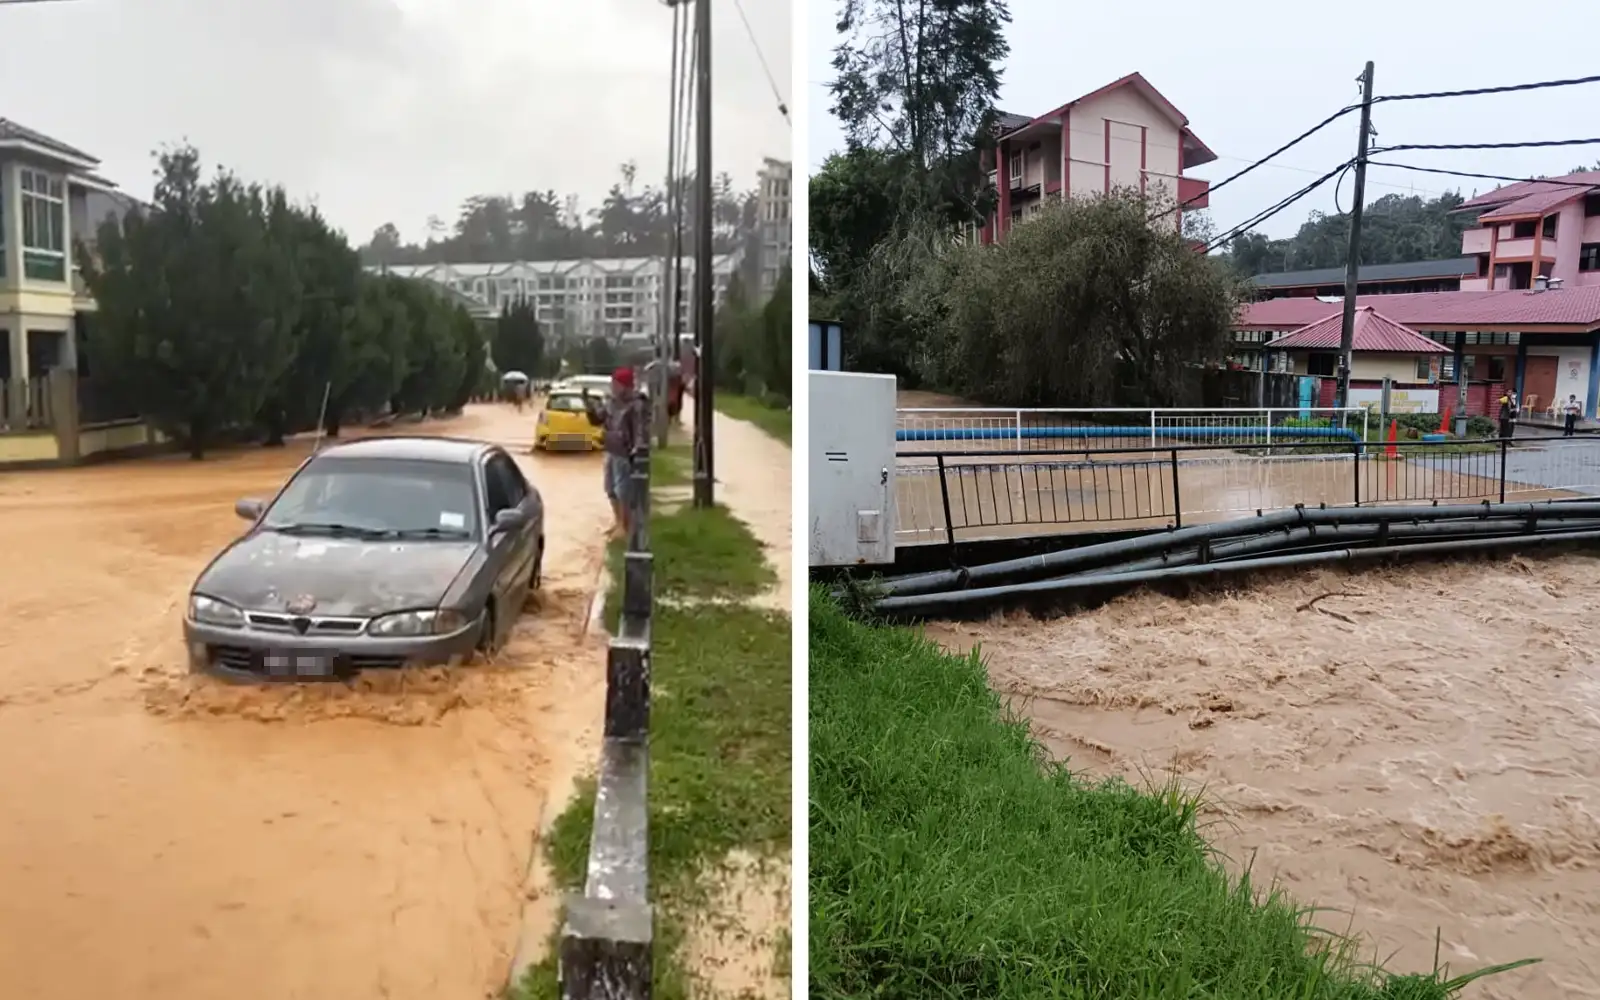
[(607, 935)]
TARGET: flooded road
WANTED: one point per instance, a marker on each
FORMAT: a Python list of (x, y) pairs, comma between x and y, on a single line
[(1415, 748), (172, 836)]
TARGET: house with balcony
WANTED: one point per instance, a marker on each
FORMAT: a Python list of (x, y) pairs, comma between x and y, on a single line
[(50, 200), (1125, 135), (1530, 230)]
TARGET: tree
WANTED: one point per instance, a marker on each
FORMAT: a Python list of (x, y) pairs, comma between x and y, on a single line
[(544, 225), (518, 340), (922, 80), (188, 324), (1084, 304), (1394, 229)]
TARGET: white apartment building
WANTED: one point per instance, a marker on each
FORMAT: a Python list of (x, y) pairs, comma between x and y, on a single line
[(773, 201), (610, 297)]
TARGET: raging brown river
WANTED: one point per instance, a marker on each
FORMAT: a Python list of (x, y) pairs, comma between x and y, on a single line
[(1417, 749)]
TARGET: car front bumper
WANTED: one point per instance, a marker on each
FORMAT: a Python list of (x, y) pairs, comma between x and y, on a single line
[(254, 655)]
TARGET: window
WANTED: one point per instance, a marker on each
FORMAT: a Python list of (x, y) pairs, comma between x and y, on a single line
[(1549, 227), (44, 236), (1591, 206), (1497, 369), (1424, 369), (1589, 257), (504, 487), (1016, 168), (1522, 230), (378, 495), (1322, 364)]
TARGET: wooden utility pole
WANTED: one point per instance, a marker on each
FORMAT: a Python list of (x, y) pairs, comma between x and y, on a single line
[(1352, 267), (704, 299)]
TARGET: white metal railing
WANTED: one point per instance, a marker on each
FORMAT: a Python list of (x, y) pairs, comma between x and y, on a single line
[(1037, 429)]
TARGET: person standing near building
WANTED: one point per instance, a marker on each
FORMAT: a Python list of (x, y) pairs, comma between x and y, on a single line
[(1571, 410), (1508, 415)]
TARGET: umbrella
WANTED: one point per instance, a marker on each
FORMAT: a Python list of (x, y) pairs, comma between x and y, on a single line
[(514, 376)]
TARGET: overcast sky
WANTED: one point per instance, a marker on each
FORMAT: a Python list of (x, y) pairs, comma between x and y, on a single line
[(388, 110), (1251, 74)]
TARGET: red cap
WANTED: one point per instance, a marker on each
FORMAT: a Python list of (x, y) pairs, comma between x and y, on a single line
[(623, 376)]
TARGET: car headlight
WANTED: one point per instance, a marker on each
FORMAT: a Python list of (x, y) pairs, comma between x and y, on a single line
[(210, 611), (440, 621)]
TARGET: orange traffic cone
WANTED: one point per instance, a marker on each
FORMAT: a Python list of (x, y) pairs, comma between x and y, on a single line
[(1444, 425), (1390, 451)]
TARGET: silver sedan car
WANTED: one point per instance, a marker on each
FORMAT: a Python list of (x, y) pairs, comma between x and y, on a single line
[(376, 554)]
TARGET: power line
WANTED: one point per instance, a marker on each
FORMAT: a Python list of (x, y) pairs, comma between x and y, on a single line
[(1302, 137), (1479, 91), (783, 109), (1269, 212), (1534, 144), (1484, 177)]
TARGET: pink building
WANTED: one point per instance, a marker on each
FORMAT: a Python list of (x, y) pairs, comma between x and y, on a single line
[(1124, 135), (1535, 229)]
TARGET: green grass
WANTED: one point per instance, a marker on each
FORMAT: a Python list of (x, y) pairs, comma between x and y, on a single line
[(719, 739), (950, 858), (674, 464), (776, 422), (699, 554)]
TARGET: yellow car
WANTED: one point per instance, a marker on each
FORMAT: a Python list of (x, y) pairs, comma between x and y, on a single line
[(564, 425)]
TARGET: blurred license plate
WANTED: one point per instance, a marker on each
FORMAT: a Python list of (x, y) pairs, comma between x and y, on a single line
[(299, 664)]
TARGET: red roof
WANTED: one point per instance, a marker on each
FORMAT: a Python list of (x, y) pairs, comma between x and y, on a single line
[(1562, 307), (1535, 202), (1522, 189), (1373, 332)]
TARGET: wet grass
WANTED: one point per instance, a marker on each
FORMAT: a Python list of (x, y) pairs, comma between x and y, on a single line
[(776, 421), (950, 858), (719, 740)]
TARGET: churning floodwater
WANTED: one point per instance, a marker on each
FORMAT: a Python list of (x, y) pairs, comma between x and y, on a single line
[(1417, 748)]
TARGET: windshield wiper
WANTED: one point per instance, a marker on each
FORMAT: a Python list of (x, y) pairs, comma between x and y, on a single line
[(326, 528), (428, 533)]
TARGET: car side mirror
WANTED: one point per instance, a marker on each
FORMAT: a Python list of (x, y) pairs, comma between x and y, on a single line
[(249, 510), (508, 520)]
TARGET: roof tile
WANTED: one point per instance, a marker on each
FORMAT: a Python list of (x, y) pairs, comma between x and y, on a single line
[(1566, 307), (1373, 332)]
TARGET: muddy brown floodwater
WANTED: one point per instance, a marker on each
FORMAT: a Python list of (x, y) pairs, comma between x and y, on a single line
[(171, 836), (1416, 748)]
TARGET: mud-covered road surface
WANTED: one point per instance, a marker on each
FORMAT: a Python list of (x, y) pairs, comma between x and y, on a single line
[(1416, 748), (169, 836)]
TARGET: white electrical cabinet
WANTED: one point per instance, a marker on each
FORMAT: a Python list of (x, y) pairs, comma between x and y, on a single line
[(852, 469)]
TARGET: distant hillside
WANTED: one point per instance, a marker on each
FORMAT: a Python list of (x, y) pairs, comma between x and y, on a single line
[(1395, 229)]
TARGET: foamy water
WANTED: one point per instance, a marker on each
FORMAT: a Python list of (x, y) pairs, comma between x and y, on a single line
[(1417, 748)]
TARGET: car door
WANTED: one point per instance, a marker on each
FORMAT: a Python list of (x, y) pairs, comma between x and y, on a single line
[(511, 552)]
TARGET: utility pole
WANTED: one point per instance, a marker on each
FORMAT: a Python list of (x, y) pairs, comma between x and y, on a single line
[(705, 303), (1352, 267)]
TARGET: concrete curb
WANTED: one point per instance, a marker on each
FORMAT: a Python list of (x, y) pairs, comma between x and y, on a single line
[(607, 930)]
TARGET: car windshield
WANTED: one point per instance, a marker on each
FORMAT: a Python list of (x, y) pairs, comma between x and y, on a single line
[(378, 497), (566, 403)]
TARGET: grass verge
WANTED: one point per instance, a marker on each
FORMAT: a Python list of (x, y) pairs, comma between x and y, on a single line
[(950, 858), (776, 422), (719, 740)]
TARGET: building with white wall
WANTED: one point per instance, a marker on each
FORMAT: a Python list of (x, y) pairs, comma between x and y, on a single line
[(1125, 135), (774, 221), (610, 297)]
